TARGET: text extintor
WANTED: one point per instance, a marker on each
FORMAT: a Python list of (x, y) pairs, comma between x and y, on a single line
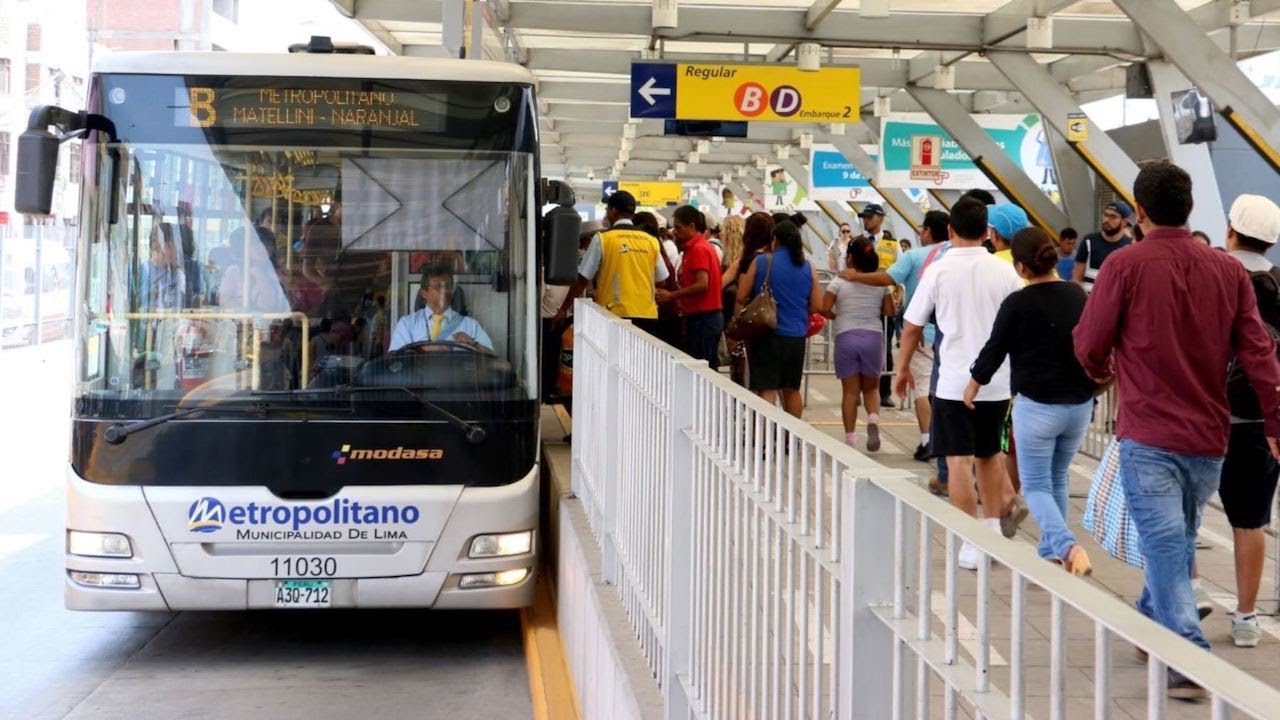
[(926, 157)]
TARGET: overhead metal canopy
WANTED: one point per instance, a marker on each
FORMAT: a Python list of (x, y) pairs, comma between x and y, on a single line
[(582, 50)]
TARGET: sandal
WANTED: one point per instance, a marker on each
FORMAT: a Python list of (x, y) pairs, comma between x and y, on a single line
[(1077, 561)]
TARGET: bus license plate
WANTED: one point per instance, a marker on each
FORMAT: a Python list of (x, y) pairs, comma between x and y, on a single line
[(303, 593)]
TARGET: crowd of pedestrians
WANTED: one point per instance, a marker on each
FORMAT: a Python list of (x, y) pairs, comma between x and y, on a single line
[(1008, 334)]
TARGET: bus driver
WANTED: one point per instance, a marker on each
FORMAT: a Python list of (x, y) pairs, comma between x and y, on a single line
[(437, 321)]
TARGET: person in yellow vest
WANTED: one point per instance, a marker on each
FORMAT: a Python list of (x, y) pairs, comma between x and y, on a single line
[(873, 229), (625, 265)]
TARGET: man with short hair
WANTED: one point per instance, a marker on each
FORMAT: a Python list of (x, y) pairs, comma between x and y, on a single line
[(699, 294), (1067, 252), (1097, 247), (625, 264), (1249, 473), (906, 272), (964, 291), (437, 321), (1168, 314)]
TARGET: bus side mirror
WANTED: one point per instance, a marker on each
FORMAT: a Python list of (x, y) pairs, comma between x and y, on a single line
[(562, 228), (37, 168)]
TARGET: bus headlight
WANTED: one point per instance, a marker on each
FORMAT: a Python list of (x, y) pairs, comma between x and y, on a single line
[(493, 579), (502, 545), (94, 544), (124, 581)]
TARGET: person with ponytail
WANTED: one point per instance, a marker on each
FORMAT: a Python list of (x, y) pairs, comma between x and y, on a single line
[(776, 360), (1054, 396), (859, 311)]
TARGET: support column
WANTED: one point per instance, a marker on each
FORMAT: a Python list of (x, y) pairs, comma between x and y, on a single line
[(1208, 213), (994, 163), (800, 174), (1075, 182), (1184, 43), (1055, 106), (740, 190)]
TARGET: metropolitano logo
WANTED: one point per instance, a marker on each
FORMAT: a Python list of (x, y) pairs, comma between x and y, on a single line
[(206, 515)]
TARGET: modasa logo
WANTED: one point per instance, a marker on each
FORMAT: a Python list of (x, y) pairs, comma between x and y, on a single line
[(396, 453), (206, 515)]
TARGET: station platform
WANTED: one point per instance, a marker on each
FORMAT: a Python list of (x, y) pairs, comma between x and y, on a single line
[(899, 437)]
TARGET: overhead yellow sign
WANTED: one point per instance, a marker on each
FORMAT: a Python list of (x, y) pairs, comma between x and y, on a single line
[(767, 93), (1077, 127), (654, 194)]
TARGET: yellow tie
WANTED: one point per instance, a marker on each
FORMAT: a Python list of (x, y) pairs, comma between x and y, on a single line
[(437, 321)]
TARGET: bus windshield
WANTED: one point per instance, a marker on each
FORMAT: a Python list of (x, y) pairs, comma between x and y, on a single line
[(308, 277)]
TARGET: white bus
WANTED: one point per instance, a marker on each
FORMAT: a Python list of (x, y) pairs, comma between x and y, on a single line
[(253, 228)]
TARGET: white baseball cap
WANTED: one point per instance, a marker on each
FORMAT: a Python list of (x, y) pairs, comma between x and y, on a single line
[(1257, 217)]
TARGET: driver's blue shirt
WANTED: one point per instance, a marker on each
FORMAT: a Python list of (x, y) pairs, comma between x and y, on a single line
[(416, 327)]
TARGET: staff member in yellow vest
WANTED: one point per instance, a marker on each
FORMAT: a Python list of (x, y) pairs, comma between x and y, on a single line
[(625, 265)]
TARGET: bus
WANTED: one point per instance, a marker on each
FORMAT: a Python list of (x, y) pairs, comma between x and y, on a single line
[(305, 330)]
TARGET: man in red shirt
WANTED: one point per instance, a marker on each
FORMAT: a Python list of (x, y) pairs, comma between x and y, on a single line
[(699, 294), (1168, 313)]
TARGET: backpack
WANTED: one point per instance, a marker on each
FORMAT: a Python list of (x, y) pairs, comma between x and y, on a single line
[(1240, 394)]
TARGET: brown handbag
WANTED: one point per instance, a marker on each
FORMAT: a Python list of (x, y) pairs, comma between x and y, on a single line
[(758, 317)]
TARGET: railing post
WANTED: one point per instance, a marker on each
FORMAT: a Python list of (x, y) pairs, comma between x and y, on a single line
[(866, 580), (610, 412), (679, 629)]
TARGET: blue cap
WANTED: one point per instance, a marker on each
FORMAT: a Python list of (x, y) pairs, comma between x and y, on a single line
[(1007, 219), (1120, 208), (871, 209)]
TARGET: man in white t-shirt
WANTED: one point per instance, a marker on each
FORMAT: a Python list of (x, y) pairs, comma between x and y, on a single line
[(963, 291)]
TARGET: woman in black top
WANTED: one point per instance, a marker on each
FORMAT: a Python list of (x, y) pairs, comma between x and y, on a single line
[(1054, 397)]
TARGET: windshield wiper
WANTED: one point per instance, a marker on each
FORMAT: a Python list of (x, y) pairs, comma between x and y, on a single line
[(117, 433), (473, 432)]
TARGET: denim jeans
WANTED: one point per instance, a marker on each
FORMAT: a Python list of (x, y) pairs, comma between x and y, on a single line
[(702, 333), (1046, 439), (1166, 492)]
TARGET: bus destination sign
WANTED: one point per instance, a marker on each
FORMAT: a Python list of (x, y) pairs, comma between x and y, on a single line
[(296, 108)]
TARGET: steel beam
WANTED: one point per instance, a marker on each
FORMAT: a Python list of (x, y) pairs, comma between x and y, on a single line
[(818, 12), (1010, 20), (1075, 182), (869, 169), (1180, 38), (988, 156), (964, 32), (1055, 105)]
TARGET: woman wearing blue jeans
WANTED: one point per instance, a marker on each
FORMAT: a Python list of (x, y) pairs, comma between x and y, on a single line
[(1053, 399)]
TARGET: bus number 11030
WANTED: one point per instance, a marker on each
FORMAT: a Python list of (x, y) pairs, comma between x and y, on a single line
[(304, 566)]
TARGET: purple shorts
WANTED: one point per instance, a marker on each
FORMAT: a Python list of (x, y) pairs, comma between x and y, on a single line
[(859, 352)]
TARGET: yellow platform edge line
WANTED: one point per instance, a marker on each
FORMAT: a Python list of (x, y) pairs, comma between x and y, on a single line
[(550, 686)]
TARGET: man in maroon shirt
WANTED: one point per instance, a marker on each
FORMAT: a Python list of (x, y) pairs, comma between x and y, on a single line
[(699, 294), (1167, 314)]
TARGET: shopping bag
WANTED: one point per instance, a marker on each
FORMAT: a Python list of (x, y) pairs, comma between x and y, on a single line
[(1106, 513)]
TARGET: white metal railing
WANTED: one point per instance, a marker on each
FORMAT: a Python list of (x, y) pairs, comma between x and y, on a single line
[(1102, 426), (769, 571)]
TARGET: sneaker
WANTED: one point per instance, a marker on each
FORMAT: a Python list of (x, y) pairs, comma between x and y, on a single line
[(1246, 633), (969, 557), (1013, 516), (922, 453), (873, 437), (1204, 605), (1182, 688), (937, 487)]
